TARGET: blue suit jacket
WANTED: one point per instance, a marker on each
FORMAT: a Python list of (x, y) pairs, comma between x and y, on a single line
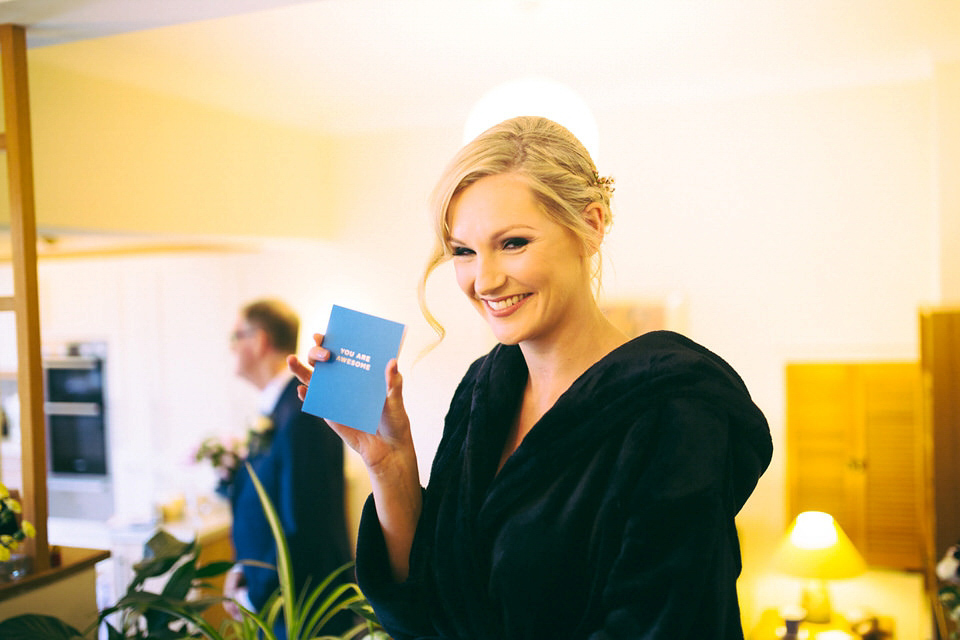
[(302, 471)]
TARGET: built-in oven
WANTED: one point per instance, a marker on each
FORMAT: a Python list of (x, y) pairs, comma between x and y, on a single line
[(78, 460), (77, 438)]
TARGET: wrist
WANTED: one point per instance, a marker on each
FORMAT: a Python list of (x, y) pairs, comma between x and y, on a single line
[(395, 484), (397, 475)]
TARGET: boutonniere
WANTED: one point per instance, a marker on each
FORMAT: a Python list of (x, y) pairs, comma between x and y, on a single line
[(260, 434)]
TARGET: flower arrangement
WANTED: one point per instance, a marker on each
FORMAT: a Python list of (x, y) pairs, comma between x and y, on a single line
[(948, 571), (13, 529), (227, 454), (224, 455)]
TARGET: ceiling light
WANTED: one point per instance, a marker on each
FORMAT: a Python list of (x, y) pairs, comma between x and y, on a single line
[(535, 97)]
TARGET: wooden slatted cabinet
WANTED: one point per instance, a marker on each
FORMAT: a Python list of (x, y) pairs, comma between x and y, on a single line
[(855, 449), (940, 364)]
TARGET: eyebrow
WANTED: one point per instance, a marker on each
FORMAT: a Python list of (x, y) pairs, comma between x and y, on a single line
[(506, 231)]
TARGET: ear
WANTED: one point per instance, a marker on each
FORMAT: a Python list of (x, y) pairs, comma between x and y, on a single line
[(261, 341), (593, 216)]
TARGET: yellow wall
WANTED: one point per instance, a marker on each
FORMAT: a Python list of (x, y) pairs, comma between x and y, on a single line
[(111, 157)]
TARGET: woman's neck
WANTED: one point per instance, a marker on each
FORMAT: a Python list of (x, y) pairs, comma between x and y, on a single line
[(554, 366)]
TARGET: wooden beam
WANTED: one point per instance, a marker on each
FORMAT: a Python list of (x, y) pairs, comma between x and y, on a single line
[(23, 235), (6, 303)]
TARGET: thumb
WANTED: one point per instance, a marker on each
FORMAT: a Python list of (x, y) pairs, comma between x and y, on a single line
[(393, 410), (394, 382)]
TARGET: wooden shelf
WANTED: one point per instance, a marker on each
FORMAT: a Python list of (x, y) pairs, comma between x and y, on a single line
[(74, 560)]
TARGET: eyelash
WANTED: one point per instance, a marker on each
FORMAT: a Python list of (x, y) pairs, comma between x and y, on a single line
[(510, 244), (515, 243)]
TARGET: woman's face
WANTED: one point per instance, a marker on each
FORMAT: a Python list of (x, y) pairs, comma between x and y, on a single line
[(525, 274)]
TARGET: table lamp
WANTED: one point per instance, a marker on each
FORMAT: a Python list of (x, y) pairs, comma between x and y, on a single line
[(817, 549)]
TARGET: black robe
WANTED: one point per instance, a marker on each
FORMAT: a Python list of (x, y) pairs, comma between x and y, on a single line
[(613, 519)]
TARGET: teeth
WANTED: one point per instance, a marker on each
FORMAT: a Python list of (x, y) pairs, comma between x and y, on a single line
[(497, 305)]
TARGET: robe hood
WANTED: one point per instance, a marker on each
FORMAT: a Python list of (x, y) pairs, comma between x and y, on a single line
[(655, 367)]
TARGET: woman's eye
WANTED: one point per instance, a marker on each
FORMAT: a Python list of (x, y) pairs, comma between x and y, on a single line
[(515, 243), (461, 251)]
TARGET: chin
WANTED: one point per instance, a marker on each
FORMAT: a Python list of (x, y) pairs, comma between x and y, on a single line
[(509, 330), (508, 337)]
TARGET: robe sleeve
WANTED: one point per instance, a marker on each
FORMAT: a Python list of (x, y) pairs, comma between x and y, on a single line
[(402, 608), (675, 573)]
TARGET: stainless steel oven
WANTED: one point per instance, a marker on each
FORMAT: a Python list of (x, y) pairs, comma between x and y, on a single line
[(77, 436)]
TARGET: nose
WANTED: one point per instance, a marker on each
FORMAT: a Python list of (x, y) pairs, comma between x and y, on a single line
[(489, 275)]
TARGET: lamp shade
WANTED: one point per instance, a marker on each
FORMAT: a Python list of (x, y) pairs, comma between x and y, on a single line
[(816, 547)]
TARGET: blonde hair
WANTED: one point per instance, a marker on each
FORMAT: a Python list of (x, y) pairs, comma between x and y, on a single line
[(556, 166)]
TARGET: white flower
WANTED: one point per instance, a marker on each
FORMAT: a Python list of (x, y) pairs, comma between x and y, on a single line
[(948, 566), (261, 424)]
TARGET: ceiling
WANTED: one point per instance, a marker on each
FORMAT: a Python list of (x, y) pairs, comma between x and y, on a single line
[(347, 66)]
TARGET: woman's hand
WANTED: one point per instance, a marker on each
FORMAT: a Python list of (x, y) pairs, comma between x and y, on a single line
[(388, 454), (393, 433)]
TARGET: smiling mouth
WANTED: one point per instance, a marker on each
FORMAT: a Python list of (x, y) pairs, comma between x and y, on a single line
[(505, 304)]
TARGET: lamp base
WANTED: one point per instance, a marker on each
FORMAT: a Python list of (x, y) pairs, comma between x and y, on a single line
[(815, 599)]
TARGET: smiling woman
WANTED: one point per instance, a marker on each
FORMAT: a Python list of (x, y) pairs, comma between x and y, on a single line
[(585, 485)]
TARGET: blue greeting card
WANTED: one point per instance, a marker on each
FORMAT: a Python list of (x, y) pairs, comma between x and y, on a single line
[(350, 387)]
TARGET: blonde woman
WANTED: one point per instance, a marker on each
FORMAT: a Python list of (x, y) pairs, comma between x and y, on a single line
[(585, 485)]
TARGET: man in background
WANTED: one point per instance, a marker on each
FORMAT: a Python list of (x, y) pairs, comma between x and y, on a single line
[(297, 458)]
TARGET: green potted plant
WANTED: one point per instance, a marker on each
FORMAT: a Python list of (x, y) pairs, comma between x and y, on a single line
[(174, 614)]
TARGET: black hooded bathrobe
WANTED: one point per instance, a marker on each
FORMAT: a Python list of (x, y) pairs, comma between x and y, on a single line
[(614, 518)]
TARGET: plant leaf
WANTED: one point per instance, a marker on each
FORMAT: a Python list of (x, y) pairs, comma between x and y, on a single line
[(33, 626), (330, 609), (165, 545), (180, 582), (365, 611), (161, 553), (113, 634), (213, 569), (284, 568)]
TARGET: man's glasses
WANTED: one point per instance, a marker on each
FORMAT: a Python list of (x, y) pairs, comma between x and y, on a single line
[(239, 334)]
